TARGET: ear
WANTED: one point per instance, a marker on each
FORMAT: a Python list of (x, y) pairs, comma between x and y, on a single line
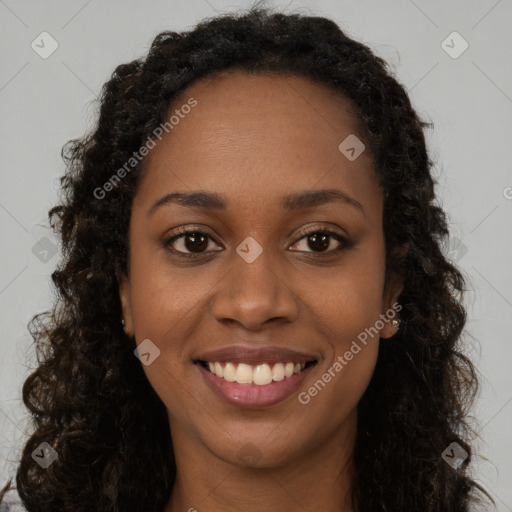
[(126, 304), (392, 290)]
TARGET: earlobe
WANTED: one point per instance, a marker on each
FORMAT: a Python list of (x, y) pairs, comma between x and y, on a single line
[(392, 308), (390, 328), (126, 308), (393, 289)]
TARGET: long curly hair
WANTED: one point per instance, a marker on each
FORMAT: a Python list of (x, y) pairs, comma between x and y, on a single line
[(89, 397)]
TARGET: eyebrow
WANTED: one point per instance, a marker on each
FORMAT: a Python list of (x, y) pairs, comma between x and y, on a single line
[(312, 198), (291, 202)]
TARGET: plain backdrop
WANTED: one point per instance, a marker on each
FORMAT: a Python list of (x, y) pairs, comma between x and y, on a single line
[(465, 92)]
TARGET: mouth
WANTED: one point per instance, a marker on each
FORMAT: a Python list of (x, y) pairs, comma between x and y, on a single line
[(252, 378), (260, 374)]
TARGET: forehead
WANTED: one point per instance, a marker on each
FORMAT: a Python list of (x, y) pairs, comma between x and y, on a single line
[(257, 137)]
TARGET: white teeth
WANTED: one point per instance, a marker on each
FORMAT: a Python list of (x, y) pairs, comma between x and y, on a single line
[(288, 369), (229, 372), (299, 367), (261, 374), (243, 374), (218, 370), (278, 372)]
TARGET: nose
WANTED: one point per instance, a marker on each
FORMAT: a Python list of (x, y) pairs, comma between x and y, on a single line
[(254, 294)]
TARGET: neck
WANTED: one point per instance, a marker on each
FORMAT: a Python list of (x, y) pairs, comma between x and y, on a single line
[(317, 480)]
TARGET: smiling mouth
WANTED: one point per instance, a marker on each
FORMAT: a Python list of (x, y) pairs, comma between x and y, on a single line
[(260, 374)]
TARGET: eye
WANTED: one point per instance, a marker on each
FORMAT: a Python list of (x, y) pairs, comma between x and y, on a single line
[(190, 242), (320, 241)]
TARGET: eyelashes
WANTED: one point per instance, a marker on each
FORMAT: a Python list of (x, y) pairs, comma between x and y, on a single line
[(324, 233), (198, 234), (188, 232)]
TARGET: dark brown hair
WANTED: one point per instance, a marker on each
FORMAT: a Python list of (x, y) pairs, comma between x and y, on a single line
[(89, 397)]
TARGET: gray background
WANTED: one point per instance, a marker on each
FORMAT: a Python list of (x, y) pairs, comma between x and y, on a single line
[(45, 102)]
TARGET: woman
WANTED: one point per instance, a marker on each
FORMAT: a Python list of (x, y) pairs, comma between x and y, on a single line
[(254, 309)]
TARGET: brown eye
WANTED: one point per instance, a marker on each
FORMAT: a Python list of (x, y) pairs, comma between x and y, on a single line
[(320, 241), (190, 242), (195, 242)]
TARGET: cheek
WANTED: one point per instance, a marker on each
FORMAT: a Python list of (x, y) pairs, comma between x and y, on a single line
[(344, 318), (167, 317), (164, 300), (347, 299), (165, 310), (337, 387), (345, 308)]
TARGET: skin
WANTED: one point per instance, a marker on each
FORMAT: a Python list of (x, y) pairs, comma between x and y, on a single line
[(254, 139)]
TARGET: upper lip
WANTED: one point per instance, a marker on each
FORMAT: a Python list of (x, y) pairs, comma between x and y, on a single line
[(255, 355)]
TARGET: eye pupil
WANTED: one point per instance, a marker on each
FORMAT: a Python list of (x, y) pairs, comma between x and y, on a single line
[(196, 242), (318, 242)]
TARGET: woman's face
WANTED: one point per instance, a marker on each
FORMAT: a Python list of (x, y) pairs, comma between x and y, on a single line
[(266, 277)]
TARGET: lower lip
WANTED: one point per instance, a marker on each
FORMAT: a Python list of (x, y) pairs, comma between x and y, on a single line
[(252, 395)]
